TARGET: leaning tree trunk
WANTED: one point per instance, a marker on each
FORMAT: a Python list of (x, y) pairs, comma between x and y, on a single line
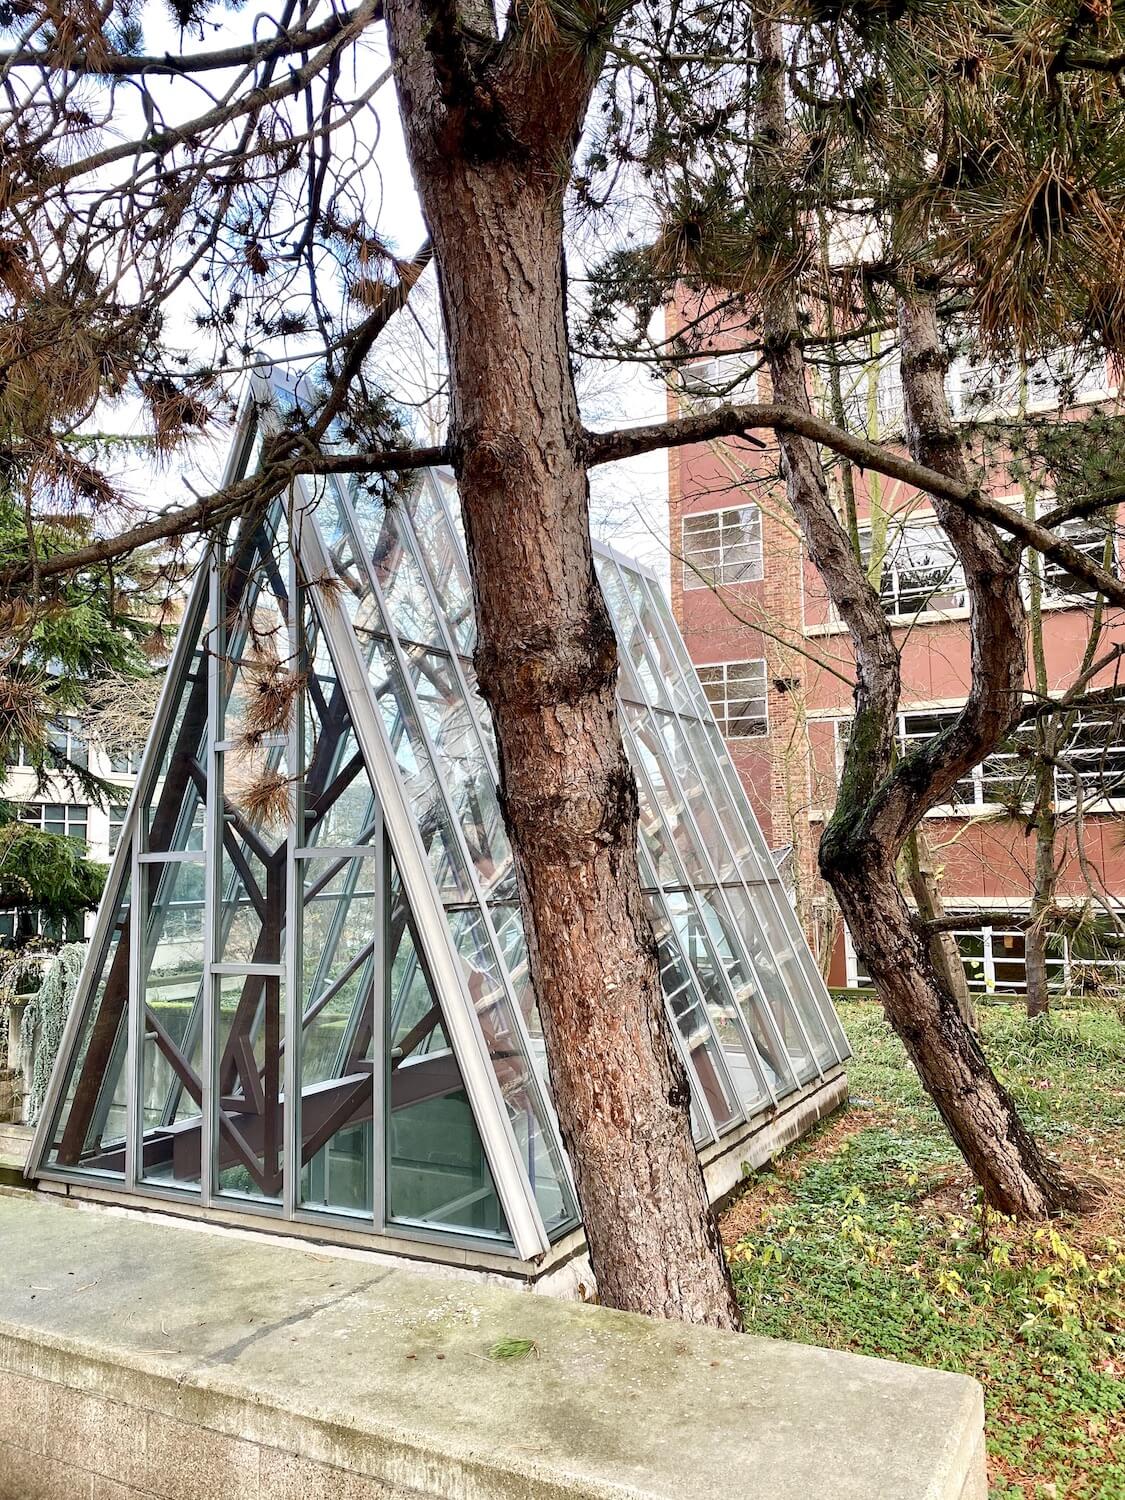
[(880, 801), (1016, 1176), (944, 953), (489, 149)]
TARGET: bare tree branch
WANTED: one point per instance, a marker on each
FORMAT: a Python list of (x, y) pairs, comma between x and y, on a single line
[(739, 421), (249, 54)]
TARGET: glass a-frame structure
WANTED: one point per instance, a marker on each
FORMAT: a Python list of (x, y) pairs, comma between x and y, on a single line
[(307, 993)]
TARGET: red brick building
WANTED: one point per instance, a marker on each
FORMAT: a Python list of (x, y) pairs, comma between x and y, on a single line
[(777, 667)]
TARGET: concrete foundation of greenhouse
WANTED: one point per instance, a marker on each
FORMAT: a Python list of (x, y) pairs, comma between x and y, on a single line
[(142, 1359)]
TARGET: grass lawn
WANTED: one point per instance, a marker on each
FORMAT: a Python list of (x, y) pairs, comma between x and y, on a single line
[(868, 1236)]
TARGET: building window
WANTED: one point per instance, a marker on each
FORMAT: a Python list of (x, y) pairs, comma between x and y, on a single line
[(117, 811), (978, 389), (857, 363), (920, 569), (995, 957), (127, 763), (723, 546), (1089, 535), (64, 739), (717, 379), (18, 927), (921, 572), (57, 817), (1093, 759), (736, 691)]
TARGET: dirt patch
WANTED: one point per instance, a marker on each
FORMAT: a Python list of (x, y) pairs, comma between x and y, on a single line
[(768, 1187)]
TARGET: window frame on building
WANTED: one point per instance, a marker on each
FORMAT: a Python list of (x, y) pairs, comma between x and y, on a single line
[(740, 534), (125, 763), (24, 923), (996, 770), (994, 956), (63, 736), (714, 379), (889, 403), (721, 702), (66, 813), (1060, 589), (115, 814), (1046, 384)]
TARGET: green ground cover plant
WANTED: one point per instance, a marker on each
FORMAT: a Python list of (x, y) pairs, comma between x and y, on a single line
[(869, 1236)]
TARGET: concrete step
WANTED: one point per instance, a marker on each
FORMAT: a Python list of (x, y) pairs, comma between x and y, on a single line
[(15, 1142)]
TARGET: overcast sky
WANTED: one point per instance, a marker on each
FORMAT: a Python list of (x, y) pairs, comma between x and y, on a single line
[(629, 499)]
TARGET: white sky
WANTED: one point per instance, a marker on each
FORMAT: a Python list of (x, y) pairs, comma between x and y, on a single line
[(629, 499)]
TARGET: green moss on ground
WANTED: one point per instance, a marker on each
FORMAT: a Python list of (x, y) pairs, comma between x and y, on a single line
[(868, 1236)]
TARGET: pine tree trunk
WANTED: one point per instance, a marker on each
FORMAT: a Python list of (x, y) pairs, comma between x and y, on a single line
[(489, 156), (944, 953), (1016, 1176), (1042, 894), (879, 802)]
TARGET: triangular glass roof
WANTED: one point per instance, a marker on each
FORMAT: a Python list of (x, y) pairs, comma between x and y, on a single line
[(329, 1014)]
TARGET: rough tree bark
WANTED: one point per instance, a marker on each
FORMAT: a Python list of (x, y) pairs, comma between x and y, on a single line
[(879, 801), (944, 953), (1042, 894), (491, 129)]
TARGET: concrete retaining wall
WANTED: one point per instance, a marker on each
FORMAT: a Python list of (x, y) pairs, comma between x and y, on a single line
[(140, 1359)]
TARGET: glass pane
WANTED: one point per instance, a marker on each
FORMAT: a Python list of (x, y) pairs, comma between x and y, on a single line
[(703, 808), (418, 774), (339, 805), (781, 988), (89, 1130), (256, 670), (172, 1026), (726, 1021), (173, 810), (515, 1071), (690, 1016), (668, 800), (466, 774), (385, 540), (437, 1171), (637, 673), (666, 664), (748, 993), (249, 1025), (442, 558), (252, 875), (340, 922)]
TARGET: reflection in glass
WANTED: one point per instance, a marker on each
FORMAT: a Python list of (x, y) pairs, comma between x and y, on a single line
[(437, 1172), (341, 914), (89, 1126), (171, 1076), (247, 1098)]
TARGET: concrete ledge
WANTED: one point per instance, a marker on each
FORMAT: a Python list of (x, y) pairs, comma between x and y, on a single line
[(725, 1164), (146, 1360)]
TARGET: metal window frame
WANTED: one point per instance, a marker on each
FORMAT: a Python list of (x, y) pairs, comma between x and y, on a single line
[(693, 570), (725, 721), (720, 761), (513, 1188), (186, 643), (751, 893)]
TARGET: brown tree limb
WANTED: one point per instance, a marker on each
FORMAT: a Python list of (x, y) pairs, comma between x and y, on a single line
[(129, 64), (160, 142), (739, 421)]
